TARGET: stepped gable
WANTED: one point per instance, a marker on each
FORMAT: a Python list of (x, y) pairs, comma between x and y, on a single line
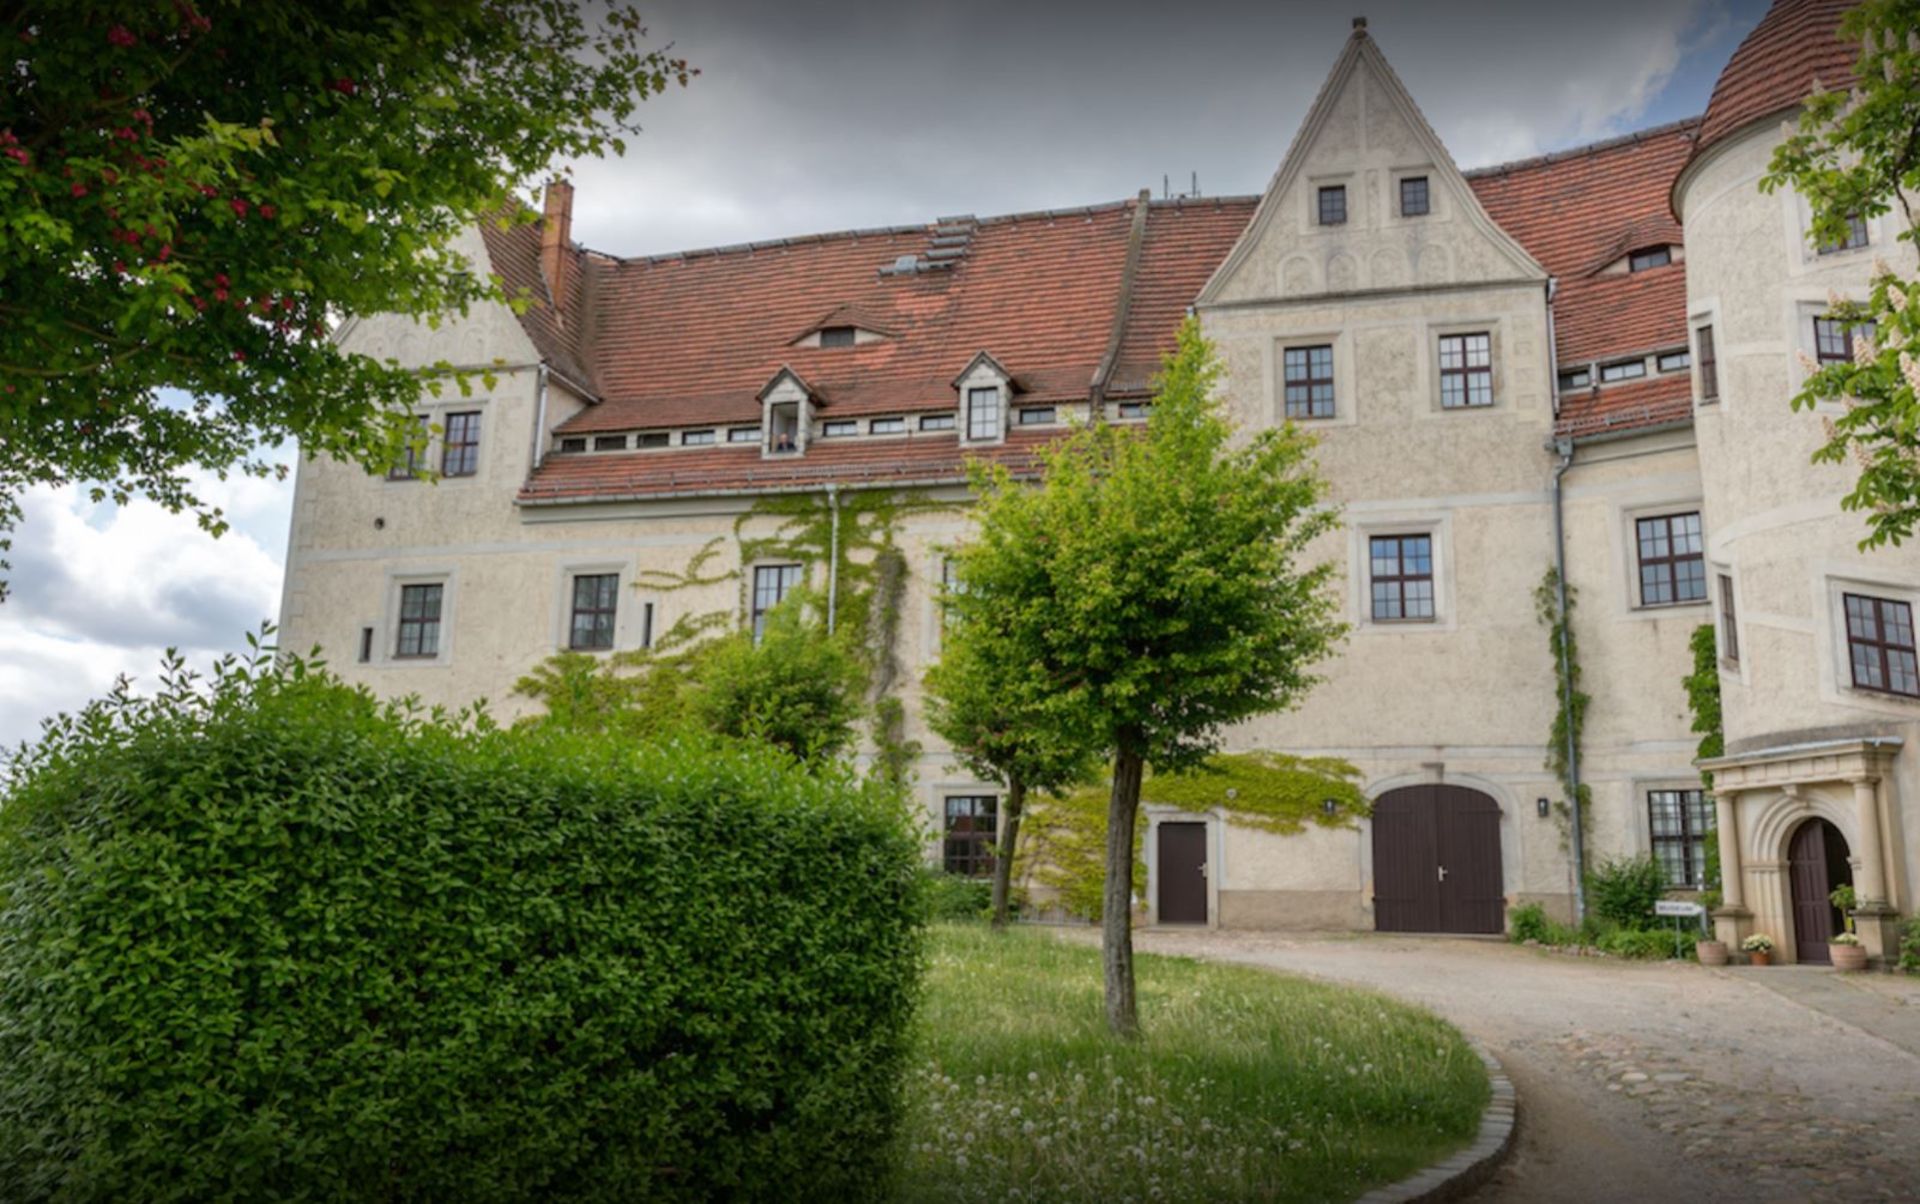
[(1777, 66), (1579, 212)]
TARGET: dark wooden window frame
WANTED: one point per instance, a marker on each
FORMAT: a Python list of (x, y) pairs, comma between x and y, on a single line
[(967, 844), (573, 444), (1709, 366), (839, 428), (985, 413), (1306, 392), (937, 422), (1038, 415), (699, 438), (1649, 257), (887, 426), (1133, 411), (417, 634), (1416, 197), (1855, 239), (1894, 658), (838, 336), (600, 607), (1688, 567), (1673, 361), (1689, 818), (1576, 378), (1333, 204), (1729, 622), (1469, 375), (409, 468), (1833, 338), (1397, 582), (647, 439), (609, 443), (771, 585), (1622, 370), (460, 446)]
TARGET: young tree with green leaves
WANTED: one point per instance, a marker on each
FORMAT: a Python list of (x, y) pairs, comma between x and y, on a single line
[(1857, 154), (972, 702), (1154, 588), (192, 193)]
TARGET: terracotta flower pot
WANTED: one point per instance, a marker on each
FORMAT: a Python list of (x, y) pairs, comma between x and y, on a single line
[(1762, 957), (1848, 957), (1711, 953)]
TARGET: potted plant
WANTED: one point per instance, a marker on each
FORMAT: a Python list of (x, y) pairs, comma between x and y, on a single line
[(1759, 948), (1710, 951), (1847, 952)]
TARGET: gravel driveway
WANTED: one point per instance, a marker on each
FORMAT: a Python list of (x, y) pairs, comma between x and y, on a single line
[(1652, 1082)]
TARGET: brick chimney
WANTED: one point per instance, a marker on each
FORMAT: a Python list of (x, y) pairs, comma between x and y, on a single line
[(556, 241)]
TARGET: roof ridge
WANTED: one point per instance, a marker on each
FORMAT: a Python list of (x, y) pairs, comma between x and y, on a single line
[(1571, 152)]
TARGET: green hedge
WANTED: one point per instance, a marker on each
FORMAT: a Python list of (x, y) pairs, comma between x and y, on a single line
[(276, 940)]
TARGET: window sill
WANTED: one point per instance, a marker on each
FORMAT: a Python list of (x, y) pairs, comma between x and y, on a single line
[(1420, 621), (1688, 604), (1879, 695)]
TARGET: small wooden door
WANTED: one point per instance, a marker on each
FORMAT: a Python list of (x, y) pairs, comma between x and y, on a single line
[(1816, 867), (1436, 861), (1182, 870)]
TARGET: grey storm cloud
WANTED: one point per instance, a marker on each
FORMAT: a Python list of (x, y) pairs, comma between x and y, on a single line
[(834, 115)]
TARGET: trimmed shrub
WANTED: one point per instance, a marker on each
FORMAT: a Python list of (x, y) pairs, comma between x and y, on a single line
[(274, 939), (1623, 892)]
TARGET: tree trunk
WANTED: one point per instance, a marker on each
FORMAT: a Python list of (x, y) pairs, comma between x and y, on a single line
[(1116, 908), (1003, 856)]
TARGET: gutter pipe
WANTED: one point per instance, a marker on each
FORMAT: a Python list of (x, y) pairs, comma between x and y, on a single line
[(1564, 448), (540, 417), (833, 553)]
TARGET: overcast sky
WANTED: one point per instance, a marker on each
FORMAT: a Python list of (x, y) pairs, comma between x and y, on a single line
[(816, 116)]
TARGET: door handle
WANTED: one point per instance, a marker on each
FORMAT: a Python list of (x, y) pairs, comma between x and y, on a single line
[(1443, 873), (1203, 869)]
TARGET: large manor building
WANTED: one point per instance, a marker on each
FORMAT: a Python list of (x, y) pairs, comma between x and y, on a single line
[(1582, 358)]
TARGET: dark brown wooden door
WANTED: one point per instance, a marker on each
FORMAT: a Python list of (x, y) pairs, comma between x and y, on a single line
[(1436, 861), (1182, 870), (1816, 867)]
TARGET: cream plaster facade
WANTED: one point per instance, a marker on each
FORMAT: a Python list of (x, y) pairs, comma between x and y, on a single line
[(1464, 698), (1803, 742)]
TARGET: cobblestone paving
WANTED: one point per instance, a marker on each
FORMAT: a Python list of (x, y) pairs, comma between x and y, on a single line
[(1656, 1082)]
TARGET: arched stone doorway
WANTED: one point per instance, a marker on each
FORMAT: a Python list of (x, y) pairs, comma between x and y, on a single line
[(1436, 861), (1817, 865)]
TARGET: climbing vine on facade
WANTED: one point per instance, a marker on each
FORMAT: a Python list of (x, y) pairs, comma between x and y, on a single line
[(1564, 740)]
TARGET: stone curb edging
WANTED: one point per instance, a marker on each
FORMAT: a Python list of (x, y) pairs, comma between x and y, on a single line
[(1455, 1176)]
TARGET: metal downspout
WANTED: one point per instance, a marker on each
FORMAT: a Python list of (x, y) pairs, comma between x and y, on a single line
[(1564, 448), (833, 553), (540, 418)]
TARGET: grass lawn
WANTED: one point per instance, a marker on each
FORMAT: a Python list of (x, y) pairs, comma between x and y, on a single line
[(1246, 1086)]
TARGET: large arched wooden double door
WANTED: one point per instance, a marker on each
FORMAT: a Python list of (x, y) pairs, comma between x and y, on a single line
[(1436, 861), (1817, 866)]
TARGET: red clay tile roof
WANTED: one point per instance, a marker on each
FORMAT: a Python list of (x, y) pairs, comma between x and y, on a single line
[(1775, 67), (1185, 241), (919, 459), (515, 253), (1579, 212), (1665, 400)]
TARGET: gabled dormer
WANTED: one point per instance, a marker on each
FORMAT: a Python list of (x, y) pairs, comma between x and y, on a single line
[(986, 395), (787, 406), (1367, 200)]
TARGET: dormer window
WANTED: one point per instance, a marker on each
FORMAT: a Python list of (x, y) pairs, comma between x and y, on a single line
[(1649, 257), (986, 393), (783, 430), (983, 412), (788, 404), (837, 336)]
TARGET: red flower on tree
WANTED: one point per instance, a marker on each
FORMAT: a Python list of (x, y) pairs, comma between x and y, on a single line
[(121, 36)]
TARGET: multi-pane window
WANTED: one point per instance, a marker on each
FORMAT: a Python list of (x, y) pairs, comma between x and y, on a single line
[(1880, 645), (887, 426), (695, 438), (1037, 415), (771, 584), (653, 439), (983, 413), (1709, 367), (416, 457), (1652, 257), (839, 427), (1833, 339), (609, 443), (1624, 370), (1466, 370), (1333, 205), (1856, 236), (971, 824), (419, 634), (1413, 196), (1132, 409), (1402, 577), (1578, 378), (743, 434), (575, 443), (460, 453), (1680, 823), (1729, 625), (1309, 381), (837, 336), (1674, 361), (596, 596), (936, 422), (1673, 566)]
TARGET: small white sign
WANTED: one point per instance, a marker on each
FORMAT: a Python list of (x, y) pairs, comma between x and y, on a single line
[(1677, 907)]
